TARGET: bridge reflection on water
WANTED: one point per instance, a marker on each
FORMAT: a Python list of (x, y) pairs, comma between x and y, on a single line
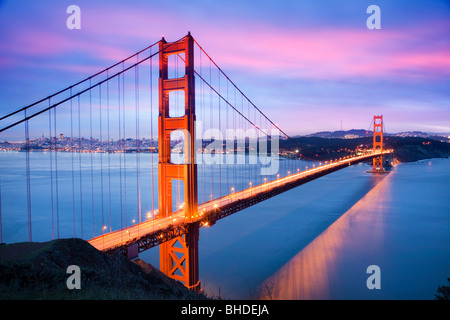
[(313, 272)]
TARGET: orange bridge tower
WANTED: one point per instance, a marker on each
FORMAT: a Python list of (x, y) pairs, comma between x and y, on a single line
[(378, 144), (179, 256)]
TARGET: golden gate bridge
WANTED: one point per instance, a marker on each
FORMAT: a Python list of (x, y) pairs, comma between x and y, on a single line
[(218, 154)]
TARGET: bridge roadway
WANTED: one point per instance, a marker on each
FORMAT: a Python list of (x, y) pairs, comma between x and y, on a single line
[(153, 232)]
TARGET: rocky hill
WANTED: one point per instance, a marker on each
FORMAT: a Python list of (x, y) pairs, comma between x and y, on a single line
[(39, 271)]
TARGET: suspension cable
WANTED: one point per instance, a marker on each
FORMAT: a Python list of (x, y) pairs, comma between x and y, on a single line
[(80, 92), (78, 83)]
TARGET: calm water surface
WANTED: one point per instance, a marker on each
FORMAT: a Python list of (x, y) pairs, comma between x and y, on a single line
[(313, 242)]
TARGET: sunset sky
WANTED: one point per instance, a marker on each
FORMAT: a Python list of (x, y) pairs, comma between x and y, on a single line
[(307, 64)]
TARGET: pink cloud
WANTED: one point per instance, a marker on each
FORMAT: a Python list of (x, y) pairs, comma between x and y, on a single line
[(328, 54), (28, 48), (255, 47)]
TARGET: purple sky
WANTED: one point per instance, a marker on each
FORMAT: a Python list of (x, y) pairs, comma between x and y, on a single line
[(307, 64)]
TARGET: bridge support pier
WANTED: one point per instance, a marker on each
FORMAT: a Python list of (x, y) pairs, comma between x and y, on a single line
[(132, 251), (179, 258)]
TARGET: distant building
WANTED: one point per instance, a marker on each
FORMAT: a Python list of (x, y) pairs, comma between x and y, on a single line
[(351, 136)]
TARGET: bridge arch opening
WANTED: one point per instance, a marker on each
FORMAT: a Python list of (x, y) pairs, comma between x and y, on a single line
[(175, 65), (177, 102), (180, 146)]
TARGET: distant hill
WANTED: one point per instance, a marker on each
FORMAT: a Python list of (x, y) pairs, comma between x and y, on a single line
[(412, 134), (419, 134), (349, 134)]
